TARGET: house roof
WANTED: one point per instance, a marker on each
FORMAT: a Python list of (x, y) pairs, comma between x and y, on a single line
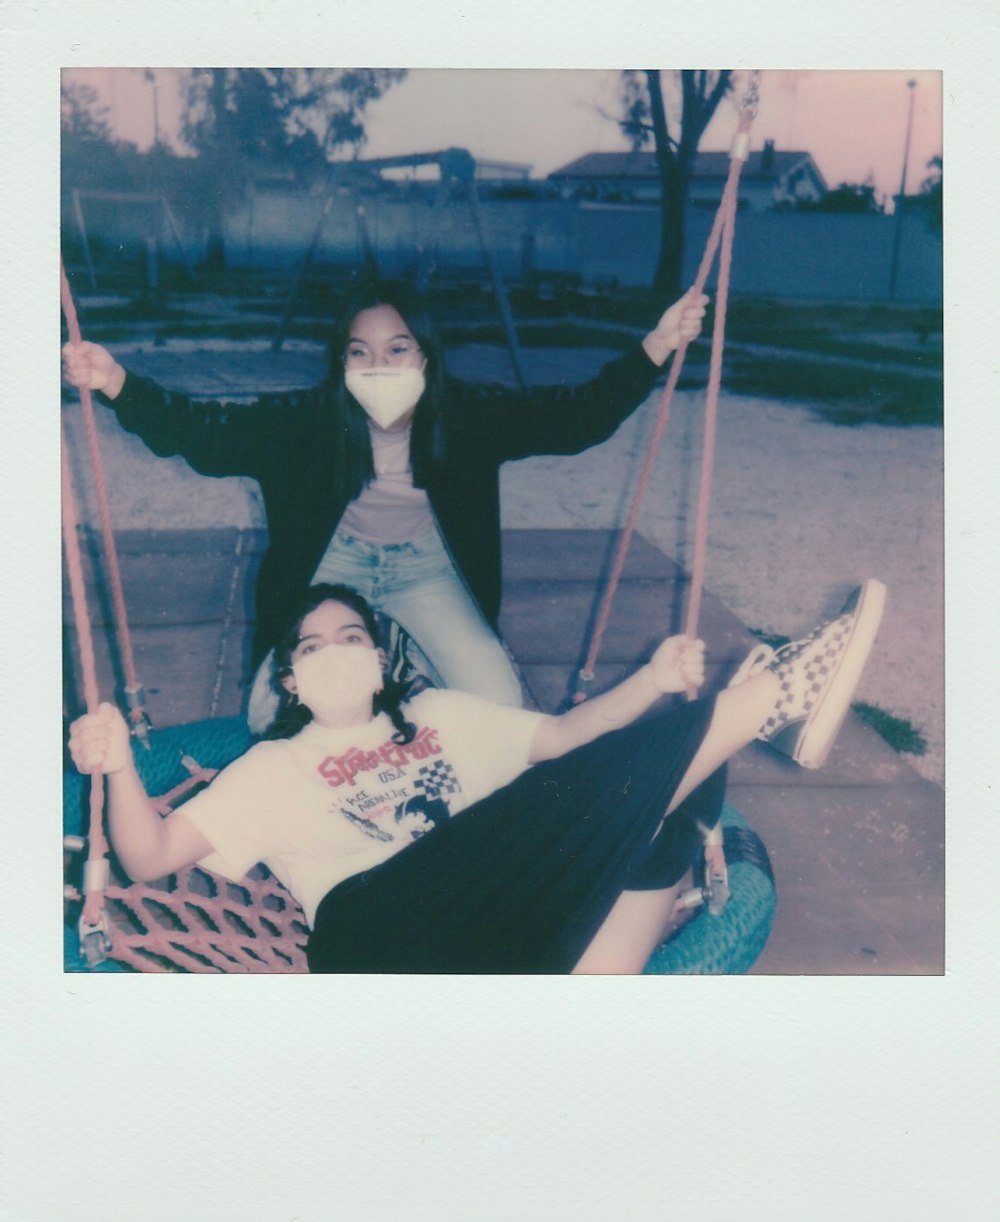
[(706, 165)]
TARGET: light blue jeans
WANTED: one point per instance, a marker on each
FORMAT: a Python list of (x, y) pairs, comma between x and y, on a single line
[(416, 583)]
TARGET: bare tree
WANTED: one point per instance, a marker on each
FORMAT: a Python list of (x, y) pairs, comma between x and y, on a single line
[(82, 117), (674, 114)]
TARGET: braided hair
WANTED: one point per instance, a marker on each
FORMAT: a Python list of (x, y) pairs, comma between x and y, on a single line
[(292, 715)]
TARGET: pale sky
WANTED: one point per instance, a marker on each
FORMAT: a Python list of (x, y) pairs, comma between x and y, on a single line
[(852, 121)]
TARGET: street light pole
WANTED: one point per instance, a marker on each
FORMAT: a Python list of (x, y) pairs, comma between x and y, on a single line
[(898, 228), (150, 77)]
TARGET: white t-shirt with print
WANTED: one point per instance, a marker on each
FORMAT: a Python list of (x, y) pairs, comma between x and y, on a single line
[(327, 804)]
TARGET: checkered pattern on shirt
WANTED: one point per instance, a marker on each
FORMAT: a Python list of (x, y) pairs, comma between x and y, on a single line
[(436, 779)]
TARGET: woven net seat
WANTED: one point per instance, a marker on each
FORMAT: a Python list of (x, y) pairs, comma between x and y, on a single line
[(197, 921)]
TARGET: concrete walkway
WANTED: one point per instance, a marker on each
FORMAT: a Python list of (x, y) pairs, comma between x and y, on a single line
[(857, 848)]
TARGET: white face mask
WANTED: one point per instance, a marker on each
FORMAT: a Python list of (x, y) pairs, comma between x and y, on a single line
[(386, 394), (336, 679)]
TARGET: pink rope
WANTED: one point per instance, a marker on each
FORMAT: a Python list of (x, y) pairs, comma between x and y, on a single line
[(132, 686), (258, 926), (712, 409), (165, 803), (93, 906), (722, 233)]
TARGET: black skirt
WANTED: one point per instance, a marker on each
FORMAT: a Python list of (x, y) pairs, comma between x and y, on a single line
[(522, 880)]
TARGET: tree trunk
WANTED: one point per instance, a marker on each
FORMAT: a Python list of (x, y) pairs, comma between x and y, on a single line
[(675, 162), (670, 264), (215, 252), (667, 277)]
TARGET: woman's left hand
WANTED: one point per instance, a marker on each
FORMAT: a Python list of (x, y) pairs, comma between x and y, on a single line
[(679, 663), (680, 324)]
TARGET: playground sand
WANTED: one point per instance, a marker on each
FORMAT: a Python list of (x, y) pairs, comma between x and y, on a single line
[(802, 510)]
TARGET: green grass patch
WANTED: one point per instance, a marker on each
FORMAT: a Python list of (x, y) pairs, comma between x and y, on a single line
[(844, 394), (830, 326), (899, 733)]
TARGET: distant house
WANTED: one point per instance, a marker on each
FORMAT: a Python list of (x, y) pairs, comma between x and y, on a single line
[(770, 178)]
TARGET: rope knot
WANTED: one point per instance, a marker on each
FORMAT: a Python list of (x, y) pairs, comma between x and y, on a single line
[(751, 95)]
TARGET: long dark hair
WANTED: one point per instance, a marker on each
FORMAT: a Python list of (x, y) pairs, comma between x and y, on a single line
[(352, 458), (292, 716)]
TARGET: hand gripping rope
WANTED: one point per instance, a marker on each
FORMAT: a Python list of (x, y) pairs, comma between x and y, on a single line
[(722, 231), (134, 694), (716, 888), (94, 939), (94, 931)]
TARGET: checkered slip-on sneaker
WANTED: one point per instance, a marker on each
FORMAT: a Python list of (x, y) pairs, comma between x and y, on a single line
[(818, 676)]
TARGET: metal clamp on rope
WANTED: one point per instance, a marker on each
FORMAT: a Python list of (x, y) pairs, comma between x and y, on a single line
[(716, 887), (717, 892), (739, 150), (95, 940), (95, 937), (139, 719), (583, 677), (191, 765), (694, 897), (96, 875)]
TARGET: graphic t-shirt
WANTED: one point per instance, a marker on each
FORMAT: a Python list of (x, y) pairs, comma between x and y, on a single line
[(327, 804)]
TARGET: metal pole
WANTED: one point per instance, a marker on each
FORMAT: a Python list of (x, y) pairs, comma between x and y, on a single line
[(81, 226), (307, 258), (149, 76), (427, 254), (175, 229), (499, 291), (898, 228)]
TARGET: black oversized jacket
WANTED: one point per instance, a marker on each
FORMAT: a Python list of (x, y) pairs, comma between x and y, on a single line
[(282, 440)]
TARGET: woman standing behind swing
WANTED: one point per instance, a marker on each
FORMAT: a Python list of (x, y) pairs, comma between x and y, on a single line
[(386, 476)]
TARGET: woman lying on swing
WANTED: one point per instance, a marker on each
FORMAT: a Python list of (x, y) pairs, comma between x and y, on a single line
[(576, 832)]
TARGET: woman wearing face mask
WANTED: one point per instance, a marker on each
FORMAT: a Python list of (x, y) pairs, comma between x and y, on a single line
[(386, 476), (451, 834)]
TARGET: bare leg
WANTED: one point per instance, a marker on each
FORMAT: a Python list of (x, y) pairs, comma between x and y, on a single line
[(837, 650), (632, 930), (640, 920), (739, 714)]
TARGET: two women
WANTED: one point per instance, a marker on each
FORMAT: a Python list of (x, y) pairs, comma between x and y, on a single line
[(386, 476), (448, 833)]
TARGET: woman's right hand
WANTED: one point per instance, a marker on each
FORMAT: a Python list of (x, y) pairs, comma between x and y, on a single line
[(90, 367), (99, 742), (678, 663)]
